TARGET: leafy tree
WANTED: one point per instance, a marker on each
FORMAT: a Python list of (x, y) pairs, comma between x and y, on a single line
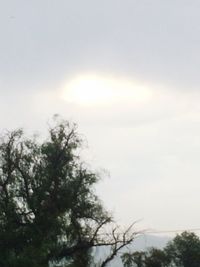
[(152, 258), (49, 212), (156, 258), (134, 259), (184, 250), (127, 259)]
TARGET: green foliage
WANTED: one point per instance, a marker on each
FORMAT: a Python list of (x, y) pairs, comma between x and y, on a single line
[(182, 251), (127, 259), (152, 258), (156, 258), (133, 259), (48, 210)]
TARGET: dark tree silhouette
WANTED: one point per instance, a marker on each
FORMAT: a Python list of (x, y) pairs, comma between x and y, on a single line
[(184, 250), (49, 212)]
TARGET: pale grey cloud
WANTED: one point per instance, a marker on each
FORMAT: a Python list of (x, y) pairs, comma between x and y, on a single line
[(152, 148), (45, 42)]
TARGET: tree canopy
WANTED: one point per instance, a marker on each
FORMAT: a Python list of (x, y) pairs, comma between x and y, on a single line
[(182, 251), (49, 212)]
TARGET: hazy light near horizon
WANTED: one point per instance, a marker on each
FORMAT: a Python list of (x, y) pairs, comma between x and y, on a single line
[(98, 90)]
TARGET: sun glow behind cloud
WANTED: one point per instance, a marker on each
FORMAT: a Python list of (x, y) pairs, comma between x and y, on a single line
[(97, 90)]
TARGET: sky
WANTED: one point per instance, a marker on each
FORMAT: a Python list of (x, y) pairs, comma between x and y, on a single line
[(127, 72)]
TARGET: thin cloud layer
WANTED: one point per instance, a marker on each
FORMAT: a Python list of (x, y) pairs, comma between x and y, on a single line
[(151, 147), (43, 43)]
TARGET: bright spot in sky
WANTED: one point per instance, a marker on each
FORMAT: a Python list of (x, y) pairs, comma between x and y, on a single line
[(94, 90)]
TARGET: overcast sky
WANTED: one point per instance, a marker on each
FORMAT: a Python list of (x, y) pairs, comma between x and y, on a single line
[(142, 120)]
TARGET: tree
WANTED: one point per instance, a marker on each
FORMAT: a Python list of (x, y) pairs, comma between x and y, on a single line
[(49, 212), (127, 259), (152, 258), (136, 259), (156, 258), (184, 250)]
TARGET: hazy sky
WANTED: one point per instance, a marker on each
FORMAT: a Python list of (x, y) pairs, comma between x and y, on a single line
[(128, 73)]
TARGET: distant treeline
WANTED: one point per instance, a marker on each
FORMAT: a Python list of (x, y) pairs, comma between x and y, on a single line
[(182, 251)]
